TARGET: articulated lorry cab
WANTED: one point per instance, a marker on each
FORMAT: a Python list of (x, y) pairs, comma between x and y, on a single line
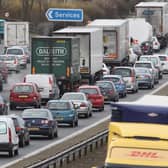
[(59, 56)]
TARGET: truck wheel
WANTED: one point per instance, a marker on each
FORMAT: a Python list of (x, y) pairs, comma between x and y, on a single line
[(11, 153)]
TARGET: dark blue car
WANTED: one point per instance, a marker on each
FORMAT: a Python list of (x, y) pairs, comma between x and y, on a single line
[(63, 111), (118, 82)]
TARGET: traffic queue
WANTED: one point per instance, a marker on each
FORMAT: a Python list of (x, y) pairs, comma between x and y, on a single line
[(45, 109)]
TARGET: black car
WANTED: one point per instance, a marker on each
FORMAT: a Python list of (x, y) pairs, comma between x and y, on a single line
[(21, 130), (162, 40), (147, 47), (3, 106), (40, 121)]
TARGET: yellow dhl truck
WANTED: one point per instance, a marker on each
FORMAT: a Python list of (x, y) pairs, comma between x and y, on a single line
[(137, 145)]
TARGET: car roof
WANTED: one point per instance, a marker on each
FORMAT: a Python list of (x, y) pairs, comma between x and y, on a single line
[(116, 76), (24, 83), (124, 67), (59, 100), (89, 86), (143, 62)]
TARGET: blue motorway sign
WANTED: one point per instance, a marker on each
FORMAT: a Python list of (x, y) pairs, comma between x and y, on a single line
[(68, 15)]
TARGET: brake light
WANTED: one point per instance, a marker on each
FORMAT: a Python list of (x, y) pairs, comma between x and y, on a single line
[(18, 128), (166, 58), (50, 81), (10, 135)]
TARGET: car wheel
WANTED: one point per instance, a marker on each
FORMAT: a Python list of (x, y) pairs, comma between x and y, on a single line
[(87, 115), (12, 107), (28, 141), (76, 123), (16, 152), (22, 142), (1, 87), (73, 124), (56, 134), (51, 135), (11, 153)]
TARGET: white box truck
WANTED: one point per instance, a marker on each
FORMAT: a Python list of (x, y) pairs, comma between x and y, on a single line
[(16, 34), (156, 13), (115, 40), (91, 49), (140, 30)]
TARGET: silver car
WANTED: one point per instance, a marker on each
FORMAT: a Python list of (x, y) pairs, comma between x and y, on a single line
[(11, 61), (80, 100)]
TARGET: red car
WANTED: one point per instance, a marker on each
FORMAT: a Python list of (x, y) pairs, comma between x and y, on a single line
[(25, 94), (94, 95)]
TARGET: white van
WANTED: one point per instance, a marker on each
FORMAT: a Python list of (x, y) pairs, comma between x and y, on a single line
[(47, 85), (9, 141)]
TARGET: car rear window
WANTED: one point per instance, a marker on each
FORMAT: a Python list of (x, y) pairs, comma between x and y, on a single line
[(145, 65), (59, 106), (14, 51), (123, 72), (162, 58), (104, 84), (34, 113), (23, 88), (89, 90), (73, 97), (3, 127), (113, 79)]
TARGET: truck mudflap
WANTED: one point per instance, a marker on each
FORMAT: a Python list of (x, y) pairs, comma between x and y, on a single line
[(68, 86)]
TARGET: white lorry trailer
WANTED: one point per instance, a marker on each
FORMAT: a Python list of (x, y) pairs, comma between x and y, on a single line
[(91, 50), (140, 30), (115, 40), (16, 34), (156, 13)]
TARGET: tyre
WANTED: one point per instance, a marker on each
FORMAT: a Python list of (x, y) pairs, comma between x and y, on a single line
[(12, 107), (76, 123), (11, 153), (27, 142), (56, 134), (51, 135), (73, 124), (22, 142), (16, 152)]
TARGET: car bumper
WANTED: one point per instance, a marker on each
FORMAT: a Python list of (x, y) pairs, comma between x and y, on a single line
[(39, 131), (144, 83), (67, 120), (4, 147), (24, 103)]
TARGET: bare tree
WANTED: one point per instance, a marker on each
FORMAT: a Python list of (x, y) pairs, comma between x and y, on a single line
[(27, 6)]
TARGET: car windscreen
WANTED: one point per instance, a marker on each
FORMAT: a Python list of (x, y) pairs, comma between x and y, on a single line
[(35, 113), (14, 51), (123, 72), (145, 65), (23, 88), (163, 58), (3, 127), (88, 90), (59, 106)]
